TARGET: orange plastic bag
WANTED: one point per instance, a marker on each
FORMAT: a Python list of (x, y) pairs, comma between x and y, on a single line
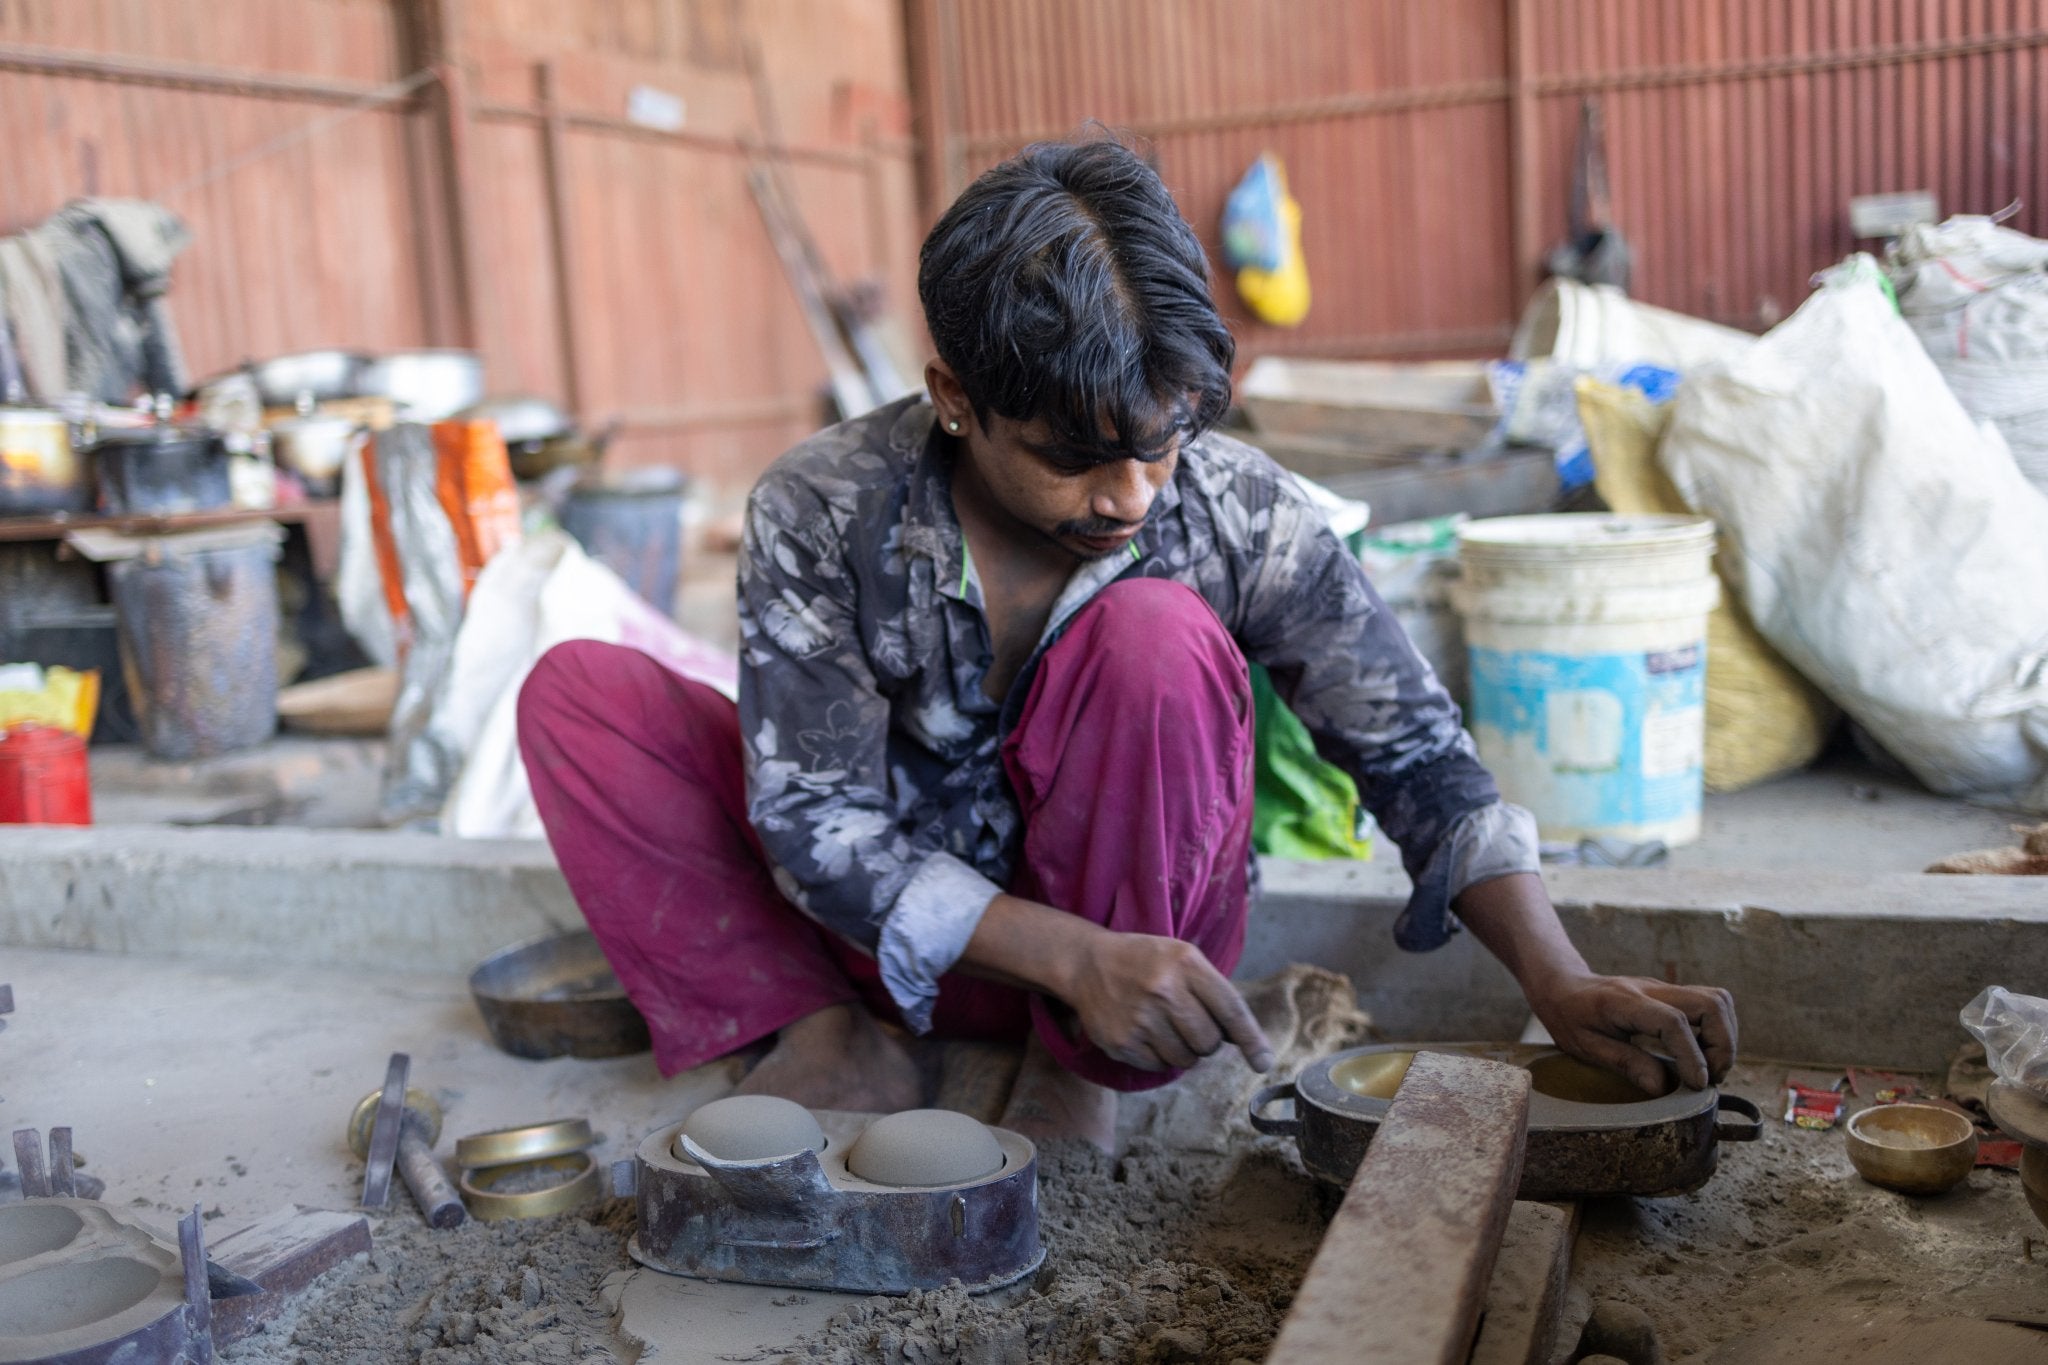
[(473, 478)]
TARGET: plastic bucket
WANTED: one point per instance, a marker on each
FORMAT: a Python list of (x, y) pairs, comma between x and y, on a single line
[(44, 777), (1588, 642), (636, 533)]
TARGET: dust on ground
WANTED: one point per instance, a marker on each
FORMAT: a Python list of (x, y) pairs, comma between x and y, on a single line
[(1160, 1256), (1190, 1247), (509, 1291), (1787, 1239)]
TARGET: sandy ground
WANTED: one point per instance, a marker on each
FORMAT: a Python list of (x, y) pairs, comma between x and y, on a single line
[(188, 1084), (1787, 1237)]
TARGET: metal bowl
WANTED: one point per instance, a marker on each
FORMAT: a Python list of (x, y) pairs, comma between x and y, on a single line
[(1912, 1148), (428, 386), (557, 996)]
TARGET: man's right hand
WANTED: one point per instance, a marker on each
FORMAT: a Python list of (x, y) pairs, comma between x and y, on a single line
[(1150, 1002)]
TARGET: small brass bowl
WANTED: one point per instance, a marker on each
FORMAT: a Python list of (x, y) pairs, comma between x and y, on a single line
[(1912, 1148)]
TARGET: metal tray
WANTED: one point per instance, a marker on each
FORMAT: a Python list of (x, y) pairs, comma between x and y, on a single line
[(1590, 1133)]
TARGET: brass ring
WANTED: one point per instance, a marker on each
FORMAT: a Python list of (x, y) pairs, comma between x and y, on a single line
[(531, 1142), (489, 1206)]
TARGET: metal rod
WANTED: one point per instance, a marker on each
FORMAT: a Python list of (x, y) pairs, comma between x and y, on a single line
[(28, 1159), (51, 61), (430, 1186), (60, 1164), (1485, 92), (729, 144), (198, 1298), (1524, 153)]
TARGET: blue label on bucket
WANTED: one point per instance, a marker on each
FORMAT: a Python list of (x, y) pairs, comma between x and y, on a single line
[(1593, 742)]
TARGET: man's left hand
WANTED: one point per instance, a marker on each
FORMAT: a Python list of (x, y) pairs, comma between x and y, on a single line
[(1612, 1021)]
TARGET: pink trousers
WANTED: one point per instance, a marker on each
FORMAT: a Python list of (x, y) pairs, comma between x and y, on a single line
[(1131, 761)]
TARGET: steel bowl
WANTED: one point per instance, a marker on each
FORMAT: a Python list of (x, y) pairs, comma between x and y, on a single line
[(1912, 1148), (427, 386), (318, 375), (557, 996)]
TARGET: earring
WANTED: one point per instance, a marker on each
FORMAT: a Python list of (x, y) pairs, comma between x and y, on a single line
[(954, 427)]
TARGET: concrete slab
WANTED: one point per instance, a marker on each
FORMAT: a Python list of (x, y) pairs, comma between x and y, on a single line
[(1807, 946), (328, 898)]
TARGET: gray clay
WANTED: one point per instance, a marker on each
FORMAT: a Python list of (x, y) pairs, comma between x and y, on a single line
[(919, 1148), (31, 1229), (62, 1297), (752, 1128)]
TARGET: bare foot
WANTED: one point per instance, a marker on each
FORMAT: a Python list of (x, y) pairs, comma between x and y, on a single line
[(838, 1058), (1049, 1103)]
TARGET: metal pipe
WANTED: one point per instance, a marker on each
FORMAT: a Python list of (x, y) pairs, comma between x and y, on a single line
[(51, 61), (727, 144), (430, 1186)]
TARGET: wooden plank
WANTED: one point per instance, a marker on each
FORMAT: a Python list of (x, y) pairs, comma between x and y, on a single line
[(1402, 1273), (1526, 1294)]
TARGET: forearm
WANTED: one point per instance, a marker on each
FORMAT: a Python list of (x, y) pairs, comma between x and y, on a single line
[(1031, 946), (1512, 916)]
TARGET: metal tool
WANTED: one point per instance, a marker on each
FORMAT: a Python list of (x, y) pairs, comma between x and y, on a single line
[(60, 1176), (806, 1222), (382, 1148), (1590, 1133), (397, 1126)]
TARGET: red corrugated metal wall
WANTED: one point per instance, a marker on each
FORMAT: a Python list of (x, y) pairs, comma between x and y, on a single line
[(1431, 143), (683, 327)]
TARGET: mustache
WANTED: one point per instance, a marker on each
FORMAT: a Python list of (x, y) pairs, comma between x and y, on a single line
[(1096, 528)]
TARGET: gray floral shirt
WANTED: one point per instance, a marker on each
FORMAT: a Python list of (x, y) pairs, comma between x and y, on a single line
[(873, 757)]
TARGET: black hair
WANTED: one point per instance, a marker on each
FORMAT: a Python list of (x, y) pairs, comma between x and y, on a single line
[(1063, 285)]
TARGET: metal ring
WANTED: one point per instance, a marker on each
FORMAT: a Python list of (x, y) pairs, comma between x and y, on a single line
[(580, 1185), (529, 1142)]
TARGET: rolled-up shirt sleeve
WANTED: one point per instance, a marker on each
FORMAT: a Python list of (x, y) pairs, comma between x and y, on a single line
[(1376, 710), (815, 730)]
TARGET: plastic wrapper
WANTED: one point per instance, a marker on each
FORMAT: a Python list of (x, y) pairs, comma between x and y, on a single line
[(2014, 1031)]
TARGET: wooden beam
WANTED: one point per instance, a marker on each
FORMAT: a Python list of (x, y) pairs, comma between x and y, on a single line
[(440, 29), (561, 239), (1525, 236), (1402, 1274)]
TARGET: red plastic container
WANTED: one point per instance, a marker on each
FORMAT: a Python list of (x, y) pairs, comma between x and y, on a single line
[(44, 779)]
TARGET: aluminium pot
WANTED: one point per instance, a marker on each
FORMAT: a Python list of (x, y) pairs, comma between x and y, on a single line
[(1590, 1133), (161, 471), (39, 471)]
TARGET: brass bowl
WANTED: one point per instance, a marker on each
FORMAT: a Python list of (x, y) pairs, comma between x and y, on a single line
[(555, 995), (1912, 1148)]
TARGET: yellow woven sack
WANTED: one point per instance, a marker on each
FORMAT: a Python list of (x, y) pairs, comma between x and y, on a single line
[(1764, 719)]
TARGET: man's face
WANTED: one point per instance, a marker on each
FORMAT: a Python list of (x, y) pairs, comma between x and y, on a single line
[(1090, 509)]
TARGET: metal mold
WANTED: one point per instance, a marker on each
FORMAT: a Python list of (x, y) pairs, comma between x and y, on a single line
[(1589, 1133), (555, 996), (82, 1284), (807, 1222)]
